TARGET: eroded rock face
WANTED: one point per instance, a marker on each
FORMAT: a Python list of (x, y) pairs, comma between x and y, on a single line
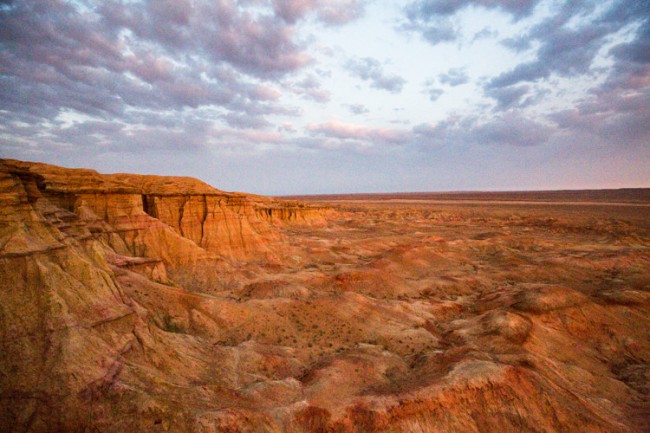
[(151, 304), (67, 236), (159, 217)]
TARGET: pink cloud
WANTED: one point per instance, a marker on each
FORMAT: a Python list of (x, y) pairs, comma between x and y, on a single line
[(332, 12), (340, 130)]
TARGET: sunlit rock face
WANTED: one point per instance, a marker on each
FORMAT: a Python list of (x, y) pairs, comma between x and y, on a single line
[(152, 304)]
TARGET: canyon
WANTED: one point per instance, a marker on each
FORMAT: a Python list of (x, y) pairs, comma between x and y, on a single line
[(162, 304)]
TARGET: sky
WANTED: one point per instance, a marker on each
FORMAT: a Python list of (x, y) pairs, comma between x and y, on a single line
[(335, 96)]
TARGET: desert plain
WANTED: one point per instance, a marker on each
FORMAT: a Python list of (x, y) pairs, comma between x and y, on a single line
[(154, 304)]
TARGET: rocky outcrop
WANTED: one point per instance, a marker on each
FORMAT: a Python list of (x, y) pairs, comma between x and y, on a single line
[(156, 216)]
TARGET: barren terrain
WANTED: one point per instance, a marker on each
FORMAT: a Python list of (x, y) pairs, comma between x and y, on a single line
[(161, 304)]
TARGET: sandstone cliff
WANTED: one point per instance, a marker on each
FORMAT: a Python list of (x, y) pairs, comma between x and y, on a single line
[(177, 220)]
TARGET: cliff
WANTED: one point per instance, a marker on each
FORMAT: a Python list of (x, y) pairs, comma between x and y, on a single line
[(179, 220)]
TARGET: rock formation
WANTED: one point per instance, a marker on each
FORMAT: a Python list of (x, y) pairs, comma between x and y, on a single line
[(151, 304)]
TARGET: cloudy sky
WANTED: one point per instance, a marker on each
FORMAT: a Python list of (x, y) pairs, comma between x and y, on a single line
[(308, 96)]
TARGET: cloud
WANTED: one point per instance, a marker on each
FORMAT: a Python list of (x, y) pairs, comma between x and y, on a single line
[(243, 121), (434, 29), (340, 12), (511, 129), (485, 34), (160, 132), (432, 91), (108, 76), (435, 94), (454, 77), (429, 8), (568, 43), (349, 131), (618, 119), (518, 43), (632, 62), (369, 69), (292, 10), (238, 139), (258, 44), (357, 108), (331, 12), (508, 97), (569, 50), (432, 18), (105, 60), (310, 88)]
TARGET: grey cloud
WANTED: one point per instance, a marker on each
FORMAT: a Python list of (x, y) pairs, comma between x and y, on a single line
[(485, 33), (453, 131), (239, 139), (263, 93), (513, 129), (177, 12), (508, 97), (257, 44), (636, 51), (58, 56), (632, 62), (614, 118), (358, 108), (160, 132), (329, 144), (318, 95), (431, 18), (429, 8), (454, 77), (96, 137), (518, 43), (260, 46), (243, 121), (93, 127), (331, 12), (292, 10), (369, 69), (310, 88), (435, 29), (568, 51), (151, 87), (434, 94)]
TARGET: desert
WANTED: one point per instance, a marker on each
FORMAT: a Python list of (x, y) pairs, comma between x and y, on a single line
[(324, 216), (161, 304)]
